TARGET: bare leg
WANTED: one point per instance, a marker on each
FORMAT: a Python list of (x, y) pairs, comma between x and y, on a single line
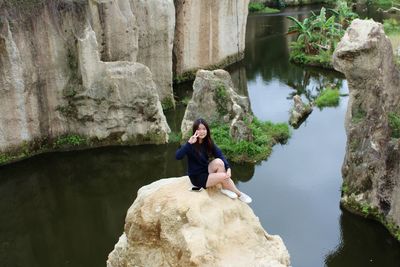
[(217, 175)]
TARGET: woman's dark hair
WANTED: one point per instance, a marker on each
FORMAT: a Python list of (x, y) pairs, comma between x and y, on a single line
[(208, 140)]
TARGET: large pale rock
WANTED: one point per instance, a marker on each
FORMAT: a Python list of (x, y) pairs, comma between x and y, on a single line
[(371, 169), (54, 81), (215, 100), (138, 30), (168, 225), (156, 24), (209, 32), (117, 98)]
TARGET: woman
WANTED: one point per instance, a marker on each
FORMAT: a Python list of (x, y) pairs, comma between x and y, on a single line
[(207, 165)]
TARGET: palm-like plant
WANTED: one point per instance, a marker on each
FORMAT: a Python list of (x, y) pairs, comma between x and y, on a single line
[(304, 30)]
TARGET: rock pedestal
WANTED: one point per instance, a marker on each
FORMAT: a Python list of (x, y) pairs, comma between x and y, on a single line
[(371, 169), (215, 100), (168, 225)]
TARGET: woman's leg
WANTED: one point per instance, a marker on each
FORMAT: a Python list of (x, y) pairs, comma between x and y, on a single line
[(217, 175)]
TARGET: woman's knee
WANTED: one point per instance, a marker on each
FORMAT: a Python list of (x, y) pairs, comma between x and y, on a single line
[(216, 165)]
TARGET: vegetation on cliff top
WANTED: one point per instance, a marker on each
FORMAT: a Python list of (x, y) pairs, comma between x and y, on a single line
[(318, 35), (261, 8), (265, 135)]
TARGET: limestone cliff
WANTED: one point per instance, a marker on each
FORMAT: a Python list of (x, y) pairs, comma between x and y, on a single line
[(52, 85), (208, 33), (371, 168), (168, 225), (70, 67)]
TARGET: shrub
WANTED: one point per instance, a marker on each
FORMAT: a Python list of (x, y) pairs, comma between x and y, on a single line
[(265, 135), (394, 124), (328, 98)]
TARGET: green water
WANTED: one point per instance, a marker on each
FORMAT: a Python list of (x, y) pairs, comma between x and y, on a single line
[(68, 209)]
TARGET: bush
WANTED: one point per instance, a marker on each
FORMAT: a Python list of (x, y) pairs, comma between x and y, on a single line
[(328, 98), (255, 7), (265, 135), (394, 124)]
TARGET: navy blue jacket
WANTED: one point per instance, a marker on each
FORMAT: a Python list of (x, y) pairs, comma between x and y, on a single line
[(198, 163)]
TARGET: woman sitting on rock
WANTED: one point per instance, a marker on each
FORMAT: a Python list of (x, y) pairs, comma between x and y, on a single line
[(207, 165)]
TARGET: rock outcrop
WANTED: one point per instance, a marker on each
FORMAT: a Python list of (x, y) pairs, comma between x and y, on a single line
[(60, 77), (215, 100), (299, 112), (371, 169), (168, 225), (209, 33)]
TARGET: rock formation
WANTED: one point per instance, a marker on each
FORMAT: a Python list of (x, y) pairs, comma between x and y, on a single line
[(215, 100), (168, 225), (57, 79), (209, 33), (371, 169), (299, 112), (52, 85)]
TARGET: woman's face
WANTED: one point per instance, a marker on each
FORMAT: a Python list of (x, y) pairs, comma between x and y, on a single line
[(202, 131)]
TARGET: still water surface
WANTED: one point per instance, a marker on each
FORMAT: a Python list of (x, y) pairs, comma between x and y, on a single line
[(68, 209)]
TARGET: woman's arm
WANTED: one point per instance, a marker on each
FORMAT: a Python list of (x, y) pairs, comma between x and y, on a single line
[(181, 152), (218, 154)]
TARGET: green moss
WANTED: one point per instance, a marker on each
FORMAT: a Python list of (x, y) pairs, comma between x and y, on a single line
[(168, 103), (265, 135), (323, 59), (328, 98), (391, 26), (368, 211), (69, 141), (358, 115), (221, 98), (394, 124), (261, 8), (174, 137), (185, 100)]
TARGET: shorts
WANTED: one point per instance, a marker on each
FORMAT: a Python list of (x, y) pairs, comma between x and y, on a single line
[(199, 180)]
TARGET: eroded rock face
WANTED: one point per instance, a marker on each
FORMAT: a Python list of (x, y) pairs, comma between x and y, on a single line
[(209, 33), (168, 225), (371, 169), (116, 98), (55, 79), (299, 112), (215, 100)]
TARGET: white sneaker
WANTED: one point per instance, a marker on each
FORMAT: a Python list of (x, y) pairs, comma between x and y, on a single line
[(229, 193), (245, 198)]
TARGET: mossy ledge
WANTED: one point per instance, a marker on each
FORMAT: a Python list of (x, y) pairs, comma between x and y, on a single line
[(362, 208), (70, 142), (265, 136), (190, 75)]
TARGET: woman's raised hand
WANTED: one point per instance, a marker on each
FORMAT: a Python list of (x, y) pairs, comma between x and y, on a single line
[(193, 138)]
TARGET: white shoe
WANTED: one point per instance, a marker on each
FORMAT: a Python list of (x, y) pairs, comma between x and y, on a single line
[(245, 198), (229, 193)]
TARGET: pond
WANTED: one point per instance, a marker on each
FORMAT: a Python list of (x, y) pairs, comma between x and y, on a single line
[(68, 208)]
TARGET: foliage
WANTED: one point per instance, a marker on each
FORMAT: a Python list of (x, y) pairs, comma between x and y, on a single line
[(328, 98), (358, 115), (174, 137), (365, 209), (259, 7), (318, 35), (391, 26), (255, 7), (221, 98), (265, 135), (394, 124), (167, 103), (69, 140)]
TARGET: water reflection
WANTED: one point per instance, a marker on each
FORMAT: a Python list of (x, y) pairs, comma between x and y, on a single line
[(68, 209), (359, 244)]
